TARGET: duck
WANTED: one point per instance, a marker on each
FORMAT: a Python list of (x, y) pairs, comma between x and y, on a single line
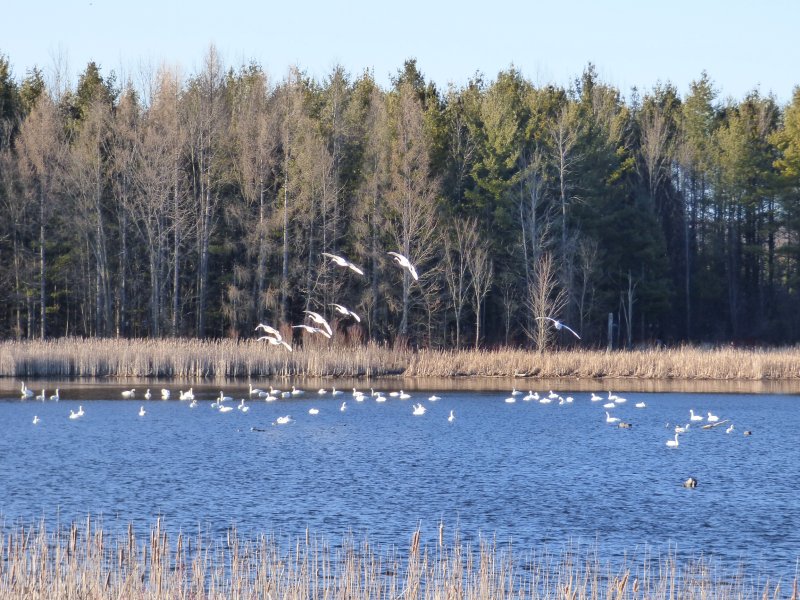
[(625, 425), (673, 443)]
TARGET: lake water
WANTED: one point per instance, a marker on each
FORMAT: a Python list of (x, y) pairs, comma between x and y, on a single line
[(540, 475)]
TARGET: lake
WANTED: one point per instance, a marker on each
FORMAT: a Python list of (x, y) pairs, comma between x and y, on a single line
[(538, 475)]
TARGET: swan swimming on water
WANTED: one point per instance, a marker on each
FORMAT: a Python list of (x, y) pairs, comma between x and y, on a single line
[(673, 443), (26, 393), (418, 410), (313, 411), (451, 418), (147, 394), (129, 393), (35, 420), (694, 417), (712, 418), (141, 411), (610, 419), (56, 396), (283, 420)]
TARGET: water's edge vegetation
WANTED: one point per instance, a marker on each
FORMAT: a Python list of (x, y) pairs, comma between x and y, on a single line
[(86, 561), (219, 360)]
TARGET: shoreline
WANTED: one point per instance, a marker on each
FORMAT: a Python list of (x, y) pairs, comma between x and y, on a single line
[(232, 361)]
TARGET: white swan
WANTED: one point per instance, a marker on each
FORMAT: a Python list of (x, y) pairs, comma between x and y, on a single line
[(510, 400), (609, 405), (529, 396), (224, 409), (610, 419), (142, 411), (640, 405), (73, 415), (380, 398), (254, 391), (515, 392), (129, 393), (451, 418), (405, 263), (165, 393), (559, 325), (283, 420), (359, 398), (35, 419), (311, 329), (26, 393), (434, 398), (223, 398), (418, 410), (694, 417), (147, 394), (42, 396), (193, 404), (242, 407), (343, 407), (403, 396), (271, 331), (80, 411), (296, 392), (343, 310), (595, 397), (673, 443), (679, 429), (56, 396), (275, 342), (335, 392), (319, 320), (313, 411), (187, 395), (729, 429), (343, 262), (712, 418)]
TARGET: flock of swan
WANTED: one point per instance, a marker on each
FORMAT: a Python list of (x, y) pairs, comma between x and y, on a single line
[(225, 404), (321, 325)]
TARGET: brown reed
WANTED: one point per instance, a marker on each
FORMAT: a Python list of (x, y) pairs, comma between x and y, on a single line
[(225, 359), (84, 561)]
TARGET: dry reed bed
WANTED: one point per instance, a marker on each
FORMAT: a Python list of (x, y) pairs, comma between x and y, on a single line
[(86, 562), (230, 359)]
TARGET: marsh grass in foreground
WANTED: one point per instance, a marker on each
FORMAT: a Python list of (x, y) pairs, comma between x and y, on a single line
[(244, 359), (88, 563)]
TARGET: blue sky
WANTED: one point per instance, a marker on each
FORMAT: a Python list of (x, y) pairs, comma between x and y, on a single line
[(741, 44)]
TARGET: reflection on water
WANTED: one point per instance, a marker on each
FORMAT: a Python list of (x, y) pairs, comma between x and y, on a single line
[(537, 474)]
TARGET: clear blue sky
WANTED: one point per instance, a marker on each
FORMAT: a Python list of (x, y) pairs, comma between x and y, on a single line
[(742, 44)]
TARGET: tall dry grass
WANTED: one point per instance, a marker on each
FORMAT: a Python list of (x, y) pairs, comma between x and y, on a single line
[(85, 562), (231, 359)]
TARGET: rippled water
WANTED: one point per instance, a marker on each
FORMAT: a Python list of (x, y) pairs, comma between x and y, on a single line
[(528, 472)]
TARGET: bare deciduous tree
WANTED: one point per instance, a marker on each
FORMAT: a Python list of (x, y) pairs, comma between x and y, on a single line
[(481, 270), (545, 299)]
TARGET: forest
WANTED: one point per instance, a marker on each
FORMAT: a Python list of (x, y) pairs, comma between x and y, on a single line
[(199, 205)]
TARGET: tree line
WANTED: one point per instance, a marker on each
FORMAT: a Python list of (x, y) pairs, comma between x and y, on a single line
[(201, 205)]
